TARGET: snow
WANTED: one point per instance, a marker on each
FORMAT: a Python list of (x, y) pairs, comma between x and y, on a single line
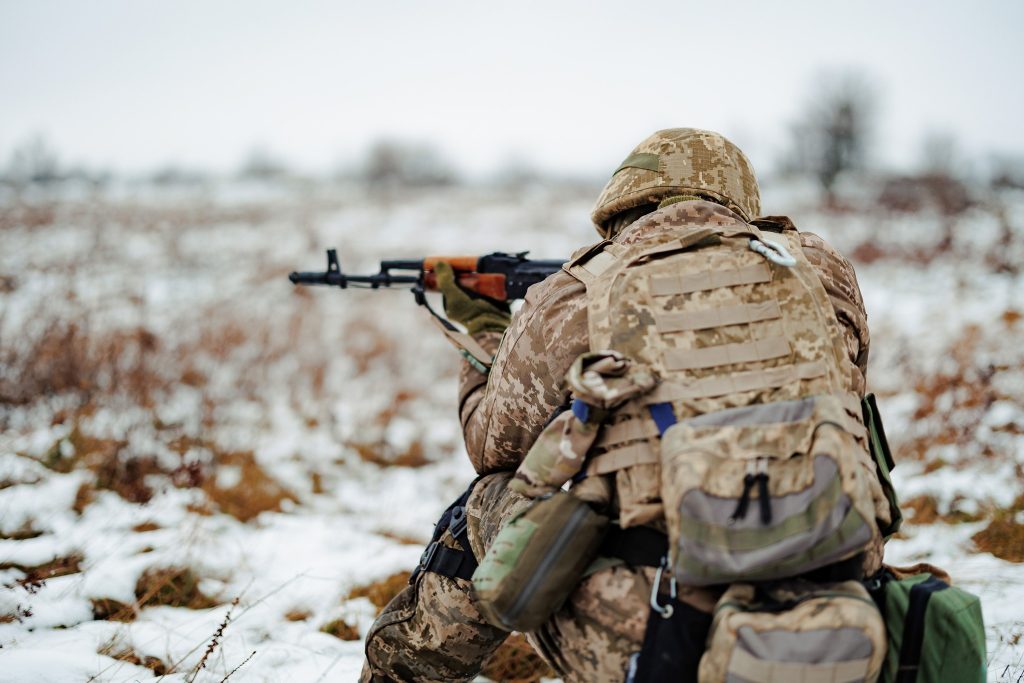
[(214, 353)]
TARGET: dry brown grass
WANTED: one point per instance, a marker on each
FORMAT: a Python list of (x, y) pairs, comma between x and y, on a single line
[(381, 454), (401, 538), (380, 593), (172, 587), (254, 493), (340, 629), (297, 615), (122, 653), (22, 533), (1004, 536), (923, 509), (516, 662), (35, 575), (108, 609)]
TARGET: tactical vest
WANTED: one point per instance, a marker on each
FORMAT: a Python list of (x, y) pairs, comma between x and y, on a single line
[(751, 448)]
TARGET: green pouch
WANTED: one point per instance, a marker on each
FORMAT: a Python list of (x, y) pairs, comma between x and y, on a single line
[(884, 463), (935, 631), (536, 561)]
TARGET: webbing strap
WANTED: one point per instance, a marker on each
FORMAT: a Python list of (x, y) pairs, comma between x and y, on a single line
[(621, 458), (717, 317), (469, 347), (748, 667), (748, 380), (665, 285), (913, 628), (638, 546), (581, 410), (664, 416), (440, 559), (594, 261), (633, 429), (726, 354)]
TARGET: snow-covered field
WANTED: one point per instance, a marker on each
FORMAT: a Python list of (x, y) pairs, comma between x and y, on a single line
[(208, 474)]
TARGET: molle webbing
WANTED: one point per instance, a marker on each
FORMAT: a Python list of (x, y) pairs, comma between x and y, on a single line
[(726, 354), (665, 285), (717, 317), (621, 458), (633, 429), (631, 442), (737, 382)]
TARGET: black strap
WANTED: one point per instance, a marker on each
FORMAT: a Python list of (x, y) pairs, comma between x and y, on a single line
[(850, 569), (638, 546), (913, 628), (441, 559), (672, 646)]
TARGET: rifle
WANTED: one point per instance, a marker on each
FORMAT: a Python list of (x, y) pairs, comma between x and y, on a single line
[(499, 276)]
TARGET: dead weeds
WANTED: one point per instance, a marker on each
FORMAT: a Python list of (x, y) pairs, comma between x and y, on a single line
[(171, 587), (380, 593), (340, 629), (383, 455), (252, 493), (35, 575), (1003, 537)]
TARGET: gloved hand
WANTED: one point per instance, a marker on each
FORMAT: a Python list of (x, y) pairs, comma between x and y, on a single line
[(477, 313)]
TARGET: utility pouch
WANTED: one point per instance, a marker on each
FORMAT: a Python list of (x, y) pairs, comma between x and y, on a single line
[(935, 631), (884, 462), (795, 631), (536, 561), (768, 491)]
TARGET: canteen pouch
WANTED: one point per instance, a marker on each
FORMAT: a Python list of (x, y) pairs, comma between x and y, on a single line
[(936, 632), (768, 491), (536, 561), (794, 631)]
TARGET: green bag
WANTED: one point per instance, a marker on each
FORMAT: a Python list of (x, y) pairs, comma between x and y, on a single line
[(935, 631), (536, 561)]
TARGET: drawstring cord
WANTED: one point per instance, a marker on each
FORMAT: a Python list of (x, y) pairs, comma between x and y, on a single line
[(751, 479)]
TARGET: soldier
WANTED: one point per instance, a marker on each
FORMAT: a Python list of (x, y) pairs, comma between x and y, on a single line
[(433, 630)]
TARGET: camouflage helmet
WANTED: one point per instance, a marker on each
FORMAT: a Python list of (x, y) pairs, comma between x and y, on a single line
[(680, 161)]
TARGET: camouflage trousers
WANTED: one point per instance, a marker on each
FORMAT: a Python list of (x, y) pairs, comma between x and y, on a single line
[(433, 631)]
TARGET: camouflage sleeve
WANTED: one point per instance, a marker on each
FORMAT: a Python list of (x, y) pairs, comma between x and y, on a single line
[(502, 415), (471, 379), (840, 282)]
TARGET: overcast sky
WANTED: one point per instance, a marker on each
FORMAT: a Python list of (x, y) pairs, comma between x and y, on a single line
[(569, 85)]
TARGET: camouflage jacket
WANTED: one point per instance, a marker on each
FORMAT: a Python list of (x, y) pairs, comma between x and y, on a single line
[(503, 413)]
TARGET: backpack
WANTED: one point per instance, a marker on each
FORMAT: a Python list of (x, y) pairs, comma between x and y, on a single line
[(752, 447), (794, 631), (935, 630)]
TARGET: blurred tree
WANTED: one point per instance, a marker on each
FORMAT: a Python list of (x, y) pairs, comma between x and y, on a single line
[(261, 164), (33, 161), (391, 163), (940, 154), (833, 134)]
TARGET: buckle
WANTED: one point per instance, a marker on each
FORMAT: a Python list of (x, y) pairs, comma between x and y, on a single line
[(428, 555), (458, 522)]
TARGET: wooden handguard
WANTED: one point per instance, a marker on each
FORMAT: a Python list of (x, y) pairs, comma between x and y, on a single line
[(490, 285)]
